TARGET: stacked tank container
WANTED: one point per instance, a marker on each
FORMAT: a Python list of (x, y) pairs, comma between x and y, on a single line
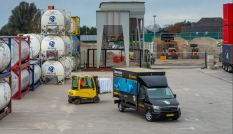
[(227, 37), (75, 35), (35, 56), (20, 65), (56, 47), (5, 77)]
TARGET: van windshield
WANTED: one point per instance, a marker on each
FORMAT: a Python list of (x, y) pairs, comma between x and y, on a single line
[(160, 93)]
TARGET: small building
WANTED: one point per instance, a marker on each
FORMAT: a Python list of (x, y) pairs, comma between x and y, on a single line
[(89, 39), (209, 25)]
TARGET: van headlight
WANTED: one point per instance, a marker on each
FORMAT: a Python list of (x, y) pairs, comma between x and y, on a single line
[(178, 107), (156, 107)]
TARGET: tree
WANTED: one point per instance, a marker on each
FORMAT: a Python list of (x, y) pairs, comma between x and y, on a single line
[(165, 27), (4, 30), (25, 18), (150, 28), (186, 23), (93, 31), (175, 29), (84, 30)]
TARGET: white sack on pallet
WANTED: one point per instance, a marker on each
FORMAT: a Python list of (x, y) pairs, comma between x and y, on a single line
[(105, 85)]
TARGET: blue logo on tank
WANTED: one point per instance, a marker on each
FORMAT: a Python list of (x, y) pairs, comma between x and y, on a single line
[(51, 69), (52, 43), (52, 18)]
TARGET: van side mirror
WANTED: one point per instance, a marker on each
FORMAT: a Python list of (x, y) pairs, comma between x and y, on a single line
[(174, 95)]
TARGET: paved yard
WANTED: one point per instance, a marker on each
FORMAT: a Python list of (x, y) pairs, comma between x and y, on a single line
[(206, 105)]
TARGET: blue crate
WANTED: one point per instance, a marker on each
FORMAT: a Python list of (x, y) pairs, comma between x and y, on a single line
[(8, 72), (34, 85)]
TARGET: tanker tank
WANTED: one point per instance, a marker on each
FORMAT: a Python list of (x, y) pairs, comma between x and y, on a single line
[(4, 55)]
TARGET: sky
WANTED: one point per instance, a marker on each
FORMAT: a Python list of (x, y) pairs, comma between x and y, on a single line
[(167, 11)]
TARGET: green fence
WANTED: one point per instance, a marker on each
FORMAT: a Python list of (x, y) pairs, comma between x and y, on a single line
[(186, 36)]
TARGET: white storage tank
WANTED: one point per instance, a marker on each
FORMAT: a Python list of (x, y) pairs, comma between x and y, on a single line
[(5, 94), (56, 18), (15, 50), (24, 81), (37, 73), (68, 44), (67, 66), (74, 61), (74, 25), (52, 67), (55, 43), (35, 41), (72, 64), (5, 55)]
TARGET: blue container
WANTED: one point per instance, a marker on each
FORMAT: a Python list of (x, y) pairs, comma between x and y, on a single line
[(227, 55), (34, 85), (8, 72)]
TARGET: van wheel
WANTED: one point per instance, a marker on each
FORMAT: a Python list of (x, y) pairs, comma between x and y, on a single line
[(77, 101), (96, 99), (121, 107), (149, 116)]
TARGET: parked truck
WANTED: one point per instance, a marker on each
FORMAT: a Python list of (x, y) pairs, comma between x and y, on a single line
[(227, 57), (146, 91)]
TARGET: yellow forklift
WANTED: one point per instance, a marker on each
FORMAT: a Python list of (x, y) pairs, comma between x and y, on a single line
[(84, 89)]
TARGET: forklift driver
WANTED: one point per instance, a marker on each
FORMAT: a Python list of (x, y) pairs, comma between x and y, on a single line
[(83, 85)]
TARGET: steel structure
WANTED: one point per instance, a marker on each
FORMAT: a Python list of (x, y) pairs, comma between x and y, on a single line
[(34, 84), (19, 66), (116, 21)]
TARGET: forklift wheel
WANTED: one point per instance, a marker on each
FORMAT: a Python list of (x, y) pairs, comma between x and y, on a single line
[(96, 99), (77, 101), (70, 100)]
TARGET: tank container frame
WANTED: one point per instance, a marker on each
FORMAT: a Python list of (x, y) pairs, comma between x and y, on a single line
[(8, 70), (19, 66), (8, 108), (34, 85)]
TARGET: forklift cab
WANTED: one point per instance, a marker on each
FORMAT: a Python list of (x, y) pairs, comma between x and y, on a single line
[(83, 89)]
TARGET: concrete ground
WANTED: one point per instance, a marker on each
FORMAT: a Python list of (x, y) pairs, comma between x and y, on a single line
[(205, 100)]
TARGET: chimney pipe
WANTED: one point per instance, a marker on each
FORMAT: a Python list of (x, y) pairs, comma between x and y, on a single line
[(51, 7)]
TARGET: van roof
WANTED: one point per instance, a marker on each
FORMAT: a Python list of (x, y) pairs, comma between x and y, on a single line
[(138, 70)]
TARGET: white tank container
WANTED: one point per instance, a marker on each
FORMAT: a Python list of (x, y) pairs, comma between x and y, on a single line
[(37, 74), (67, 66), (71, 62), (68, 44), (56, 18), (4, 55), (35, 41), (5, 94), (53, 68), (74, 60), (73, 25), (55, 43), (24, 81), (15, 50)]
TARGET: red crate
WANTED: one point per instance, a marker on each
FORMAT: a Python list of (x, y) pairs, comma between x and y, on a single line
[(228, 14), (4, 113), (116, 59), (227, 34), (19, 66)]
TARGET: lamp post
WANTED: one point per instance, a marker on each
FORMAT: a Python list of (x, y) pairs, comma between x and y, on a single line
[(154, 39)]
